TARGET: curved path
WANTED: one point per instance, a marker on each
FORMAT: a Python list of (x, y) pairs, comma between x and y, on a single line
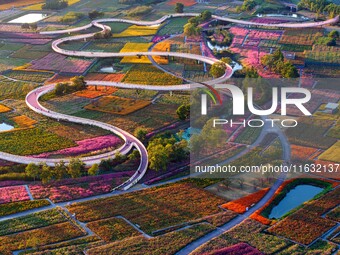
[(97, 22), (32, 100)]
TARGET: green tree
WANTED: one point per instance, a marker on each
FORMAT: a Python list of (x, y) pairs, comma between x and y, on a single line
[(60, 89), (46, 173), (217, 69), (60, 170), (75, 168), (179, 7), (158, 157), (95, 14), (334, 34), (134, 155), (78, 82), (93, 170), (183, 111), (191, 29), (226, 60), (140, 133), (206, 15), (289, 71), (32, 170)]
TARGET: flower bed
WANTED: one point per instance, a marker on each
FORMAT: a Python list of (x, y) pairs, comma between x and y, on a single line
[(136, 47), (305, 36), (14, 89), (150, 75), (162, 46), (167, 244), (31, 76), (91, 145), (13, 194), (176, 204), (184, 2), (4, 108), (32, 141), (252, 232), (60, 63), (334, 214), (302, 153), (117, 105), (92, 92), (16, 207), (105, 77), (269, 20), (112, 229), (241, 205), (135, 30), (11, 183), (19, 3), (31, 221), (302, 227), (71, 189), (23, 121), (46, 235), (237, 249)]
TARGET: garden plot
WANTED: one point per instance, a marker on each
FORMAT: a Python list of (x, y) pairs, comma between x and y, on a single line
[(135, 30), (136, 47), (59, 63), (117, 105)]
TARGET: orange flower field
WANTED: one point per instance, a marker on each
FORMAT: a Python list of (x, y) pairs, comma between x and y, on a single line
[(4, 109), (241, 205), (302, 153), (24, 121)]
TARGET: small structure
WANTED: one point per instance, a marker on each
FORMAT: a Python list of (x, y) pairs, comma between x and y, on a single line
[(331, 108)]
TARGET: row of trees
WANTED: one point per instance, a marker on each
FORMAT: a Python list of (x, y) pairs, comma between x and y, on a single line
[(74, 169), (320, 6), (275, 62)]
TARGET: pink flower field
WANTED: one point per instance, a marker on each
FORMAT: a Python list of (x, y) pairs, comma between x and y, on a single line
[(13, 194), (71, 189), (269, 20), (237, 249), (86, 146), (58, 62)]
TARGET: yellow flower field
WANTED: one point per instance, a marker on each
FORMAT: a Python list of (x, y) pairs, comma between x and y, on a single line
[(4, 109), (138, 31), (162, 46), (135, 47), (38, 7), (332, 154), (24, 121)]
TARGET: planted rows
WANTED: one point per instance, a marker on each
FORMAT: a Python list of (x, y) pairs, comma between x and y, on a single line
[(152, 209)]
